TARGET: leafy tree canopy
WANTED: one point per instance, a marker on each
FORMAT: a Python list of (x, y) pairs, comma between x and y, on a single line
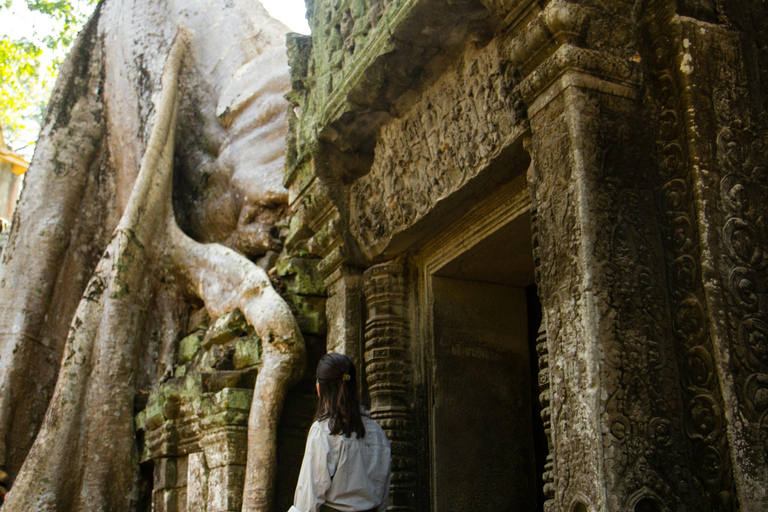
[(30, 59)]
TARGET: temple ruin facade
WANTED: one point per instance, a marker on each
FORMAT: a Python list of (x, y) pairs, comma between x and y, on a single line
[(541, 230), (537, 226)]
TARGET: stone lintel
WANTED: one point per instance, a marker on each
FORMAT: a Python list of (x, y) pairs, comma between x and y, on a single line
[(574, 66), (583, 80)]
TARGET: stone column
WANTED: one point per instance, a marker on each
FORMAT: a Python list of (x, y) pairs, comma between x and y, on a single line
[(388, 369), (344, 313), (618, 442)]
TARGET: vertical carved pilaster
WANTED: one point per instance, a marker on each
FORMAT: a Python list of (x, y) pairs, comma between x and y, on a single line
[(545, 397), (704, 421), (388, 368), (711, 153), (542, 351)]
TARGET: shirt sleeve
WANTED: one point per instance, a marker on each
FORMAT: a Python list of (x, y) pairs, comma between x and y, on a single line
[(317, 470)]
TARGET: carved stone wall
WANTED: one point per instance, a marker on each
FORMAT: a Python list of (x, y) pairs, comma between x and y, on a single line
[(456, 130), (722, 185), (705, 424), (647, 127)]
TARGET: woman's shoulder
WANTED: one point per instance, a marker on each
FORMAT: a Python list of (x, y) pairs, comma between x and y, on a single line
[(373, 431), (320, 428)]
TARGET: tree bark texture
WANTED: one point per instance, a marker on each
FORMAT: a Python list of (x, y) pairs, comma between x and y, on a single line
[(163, 140)]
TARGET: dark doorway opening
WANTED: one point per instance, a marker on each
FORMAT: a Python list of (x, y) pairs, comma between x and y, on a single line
[(488, 442)]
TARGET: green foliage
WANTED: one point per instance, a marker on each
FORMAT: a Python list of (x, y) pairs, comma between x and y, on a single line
[(23, 91), (69, 16), (29, 65)]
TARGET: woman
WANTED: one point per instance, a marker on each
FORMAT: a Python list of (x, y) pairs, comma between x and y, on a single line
[(346, 464)]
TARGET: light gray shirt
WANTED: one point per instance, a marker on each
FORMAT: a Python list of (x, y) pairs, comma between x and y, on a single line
[(346, 473)]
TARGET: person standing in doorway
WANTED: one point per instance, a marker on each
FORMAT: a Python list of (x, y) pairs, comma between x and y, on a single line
[(347, 461)]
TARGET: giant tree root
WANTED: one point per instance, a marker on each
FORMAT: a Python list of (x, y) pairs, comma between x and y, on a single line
[(225, 280), (84, 457)]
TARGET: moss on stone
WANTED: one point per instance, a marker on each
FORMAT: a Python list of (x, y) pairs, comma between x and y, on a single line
[(189, 347), (225, 329), (301, 277), (247, 352)]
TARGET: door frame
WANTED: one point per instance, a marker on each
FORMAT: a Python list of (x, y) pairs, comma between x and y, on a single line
[(480, 221)]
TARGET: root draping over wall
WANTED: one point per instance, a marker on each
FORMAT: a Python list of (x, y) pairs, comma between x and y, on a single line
[(89, 265)]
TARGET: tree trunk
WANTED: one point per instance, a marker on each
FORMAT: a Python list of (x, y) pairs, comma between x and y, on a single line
[(115, 229)]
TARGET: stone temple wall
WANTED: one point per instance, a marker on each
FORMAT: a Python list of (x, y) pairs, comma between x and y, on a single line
[(640, 129)]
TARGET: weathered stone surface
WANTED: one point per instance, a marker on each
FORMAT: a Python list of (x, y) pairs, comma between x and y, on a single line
[(247, 352), (450, 136), (301, 277), (310, 313), (217, 381), (189, 347), (225, 329), (225, 488), (225, 447), (165, 500), (165, 473), (197, 483)]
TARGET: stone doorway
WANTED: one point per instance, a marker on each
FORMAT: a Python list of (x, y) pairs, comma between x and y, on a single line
[(487, 446)]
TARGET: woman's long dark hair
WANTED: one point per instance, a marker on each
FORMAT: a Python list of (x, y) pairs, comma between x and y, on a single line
[(338, 395)]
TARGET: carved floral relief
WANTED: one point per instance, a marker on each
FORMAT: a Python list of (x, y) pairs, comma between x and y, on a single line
[(456, 130)]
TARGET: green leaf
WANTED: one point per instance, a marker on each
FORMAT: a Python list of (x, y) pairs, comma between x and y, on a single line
[(29, 65)]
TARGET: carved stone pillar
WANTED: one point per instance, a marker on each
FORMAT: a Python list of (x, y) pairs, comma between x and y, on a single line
[(388, 370), (344, 312), (618, 443)]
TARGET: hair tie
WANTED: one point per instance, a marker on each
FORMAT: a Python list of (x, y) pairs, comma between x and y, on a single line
[(346, 377)]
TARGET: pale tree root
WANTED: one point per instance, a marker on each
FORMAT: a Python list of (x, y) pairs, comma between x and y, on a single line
[(84, 458), (225, 280)]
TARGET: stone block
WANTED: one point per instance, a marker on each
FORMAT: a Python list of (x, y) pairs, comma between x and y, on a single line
[(189, 347), (165, 500), (197, 483), (154, 412), (247, 352), (228, 407), (182, 468), (182, 499), (298, 233), (225, 488), (166, 469), (140, 420), (217, 381), (225, 447), (225, 329), (310, 313), (232, 398), (218, 357), (198, 320), (300, 276)]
